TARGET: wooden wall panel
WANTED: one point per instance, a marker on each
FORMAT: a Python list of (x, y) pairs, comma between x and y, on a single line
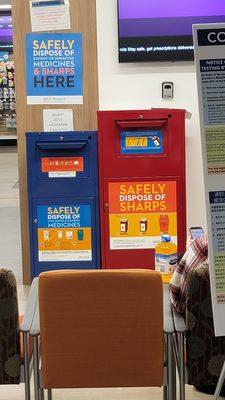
[(30, 118)]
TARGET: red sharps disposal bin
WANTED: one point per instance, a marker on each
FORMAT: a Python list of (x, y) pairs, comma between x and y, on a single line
[(142, 184)]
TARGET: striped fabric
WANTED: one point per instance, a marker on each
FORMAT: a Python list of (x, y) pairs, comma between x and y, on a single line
[(195, 256)]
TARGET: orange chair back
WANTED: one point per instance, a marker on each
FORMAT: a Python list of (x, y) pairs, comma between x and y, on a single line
[(101, 328)]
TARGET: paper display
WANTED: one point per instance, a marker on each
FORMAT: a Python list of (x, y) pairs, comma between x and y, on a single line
[(139, 212), (49, 15), (217, 205), (213, 86), (210, 65), (58, 120)]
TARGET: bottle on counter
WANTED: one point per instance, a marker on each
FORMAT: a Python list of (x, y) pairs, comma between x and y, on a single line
[(166, 258)]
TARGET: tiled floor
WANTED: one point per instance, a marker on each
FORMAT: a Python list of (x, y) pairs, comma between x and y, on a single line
[(16, 393), (11, 258)]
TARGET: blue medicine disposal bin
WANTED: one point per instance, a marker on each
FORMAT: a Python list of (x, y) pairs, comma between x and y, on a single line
[(63, 201)]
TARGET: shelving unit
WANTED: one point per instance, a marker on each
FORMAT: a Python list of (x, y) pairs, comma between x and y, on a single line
[(7, 100)]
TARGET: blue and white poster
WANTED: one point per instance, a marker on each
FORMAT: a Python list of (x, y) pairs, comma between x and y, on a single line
[(54, 65), (64, 233), (142, 142)]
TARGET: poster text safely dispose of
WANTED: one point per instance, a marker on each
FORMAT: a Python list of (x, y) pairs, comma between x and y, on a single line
[(54, 68), (64, 233), (140, 212)]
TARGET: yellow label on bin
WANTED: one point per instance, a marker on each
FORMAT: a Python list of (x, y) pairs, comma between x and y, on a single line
[(141, 141)]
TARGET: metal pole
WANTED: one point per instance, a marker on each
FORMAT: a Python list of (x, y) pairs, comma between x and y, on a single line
[(41, 394), (220, 383), (36, 369), (170, 366), (182, 367), (174, 374), (165, 395), (49, 394)]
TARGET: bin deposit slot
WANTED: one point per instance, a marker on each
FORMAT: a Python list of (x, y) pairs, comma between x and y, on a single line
[(147, 123), (61, 146)]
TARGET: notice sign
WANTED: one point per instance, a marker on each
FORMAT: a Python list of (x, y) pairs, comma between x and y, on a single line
[(209, 41), (213, 99), (142, 142), (65, 167), (58, 120), (140, 212), (64, 233), (54, 68), (49, 15)]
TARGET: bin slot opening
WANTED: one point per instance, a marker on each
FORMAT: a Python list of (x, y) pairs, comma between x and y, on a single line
[(147, 123), (62, 145)]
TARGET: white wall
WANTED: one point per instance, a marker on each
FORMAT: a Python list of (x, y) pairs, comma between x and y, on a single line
[(5, 2), (138, 86)]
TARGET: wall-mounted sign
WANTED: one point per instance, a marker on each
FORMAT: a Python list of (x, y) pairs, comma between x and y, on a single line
[(142, 142), (58, 120), (64, 167), (210, 64), (49, 15), (54, 68)]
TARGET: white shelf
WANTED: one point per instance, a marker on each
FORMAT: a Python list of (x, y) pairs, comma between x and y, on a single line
[(8, 137)]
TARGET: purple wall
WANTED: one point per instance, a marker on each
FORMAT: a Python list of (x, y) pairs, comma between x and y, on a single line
[(169, 8), (6, 33)]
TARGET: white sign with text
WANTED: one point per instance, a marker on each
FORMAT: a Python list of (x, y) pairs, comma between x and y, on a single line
[(49, 15), (58, 120), (209, 42)]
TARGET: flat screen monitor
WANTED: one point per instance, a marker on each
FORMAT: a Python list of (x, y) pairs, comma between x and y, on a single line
[(6, 32), (161, 30)]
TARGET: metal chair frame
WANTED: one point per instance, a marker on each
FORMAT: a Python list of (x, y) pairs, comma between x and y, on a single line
[(27, 367)]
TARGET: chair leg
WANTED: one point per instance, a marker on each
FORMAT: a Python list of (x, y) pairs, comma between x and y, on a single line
[(181, 364), (36, 370), (174, 377), (41, 394), (171, 388), (220, 383), (49, 394), (26, 366), (165, 394)]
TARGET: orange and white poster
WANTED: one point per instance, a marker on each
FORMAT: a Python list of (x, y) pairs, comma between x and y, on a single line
[(140, 212)]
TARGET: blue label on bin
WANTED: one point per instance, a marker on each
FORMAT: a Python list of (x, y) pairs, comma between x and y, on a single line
[(142, 142)]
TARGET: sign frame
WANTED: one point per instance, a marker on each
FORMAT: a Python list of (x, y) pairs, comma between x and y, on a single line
[(209, 57)]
